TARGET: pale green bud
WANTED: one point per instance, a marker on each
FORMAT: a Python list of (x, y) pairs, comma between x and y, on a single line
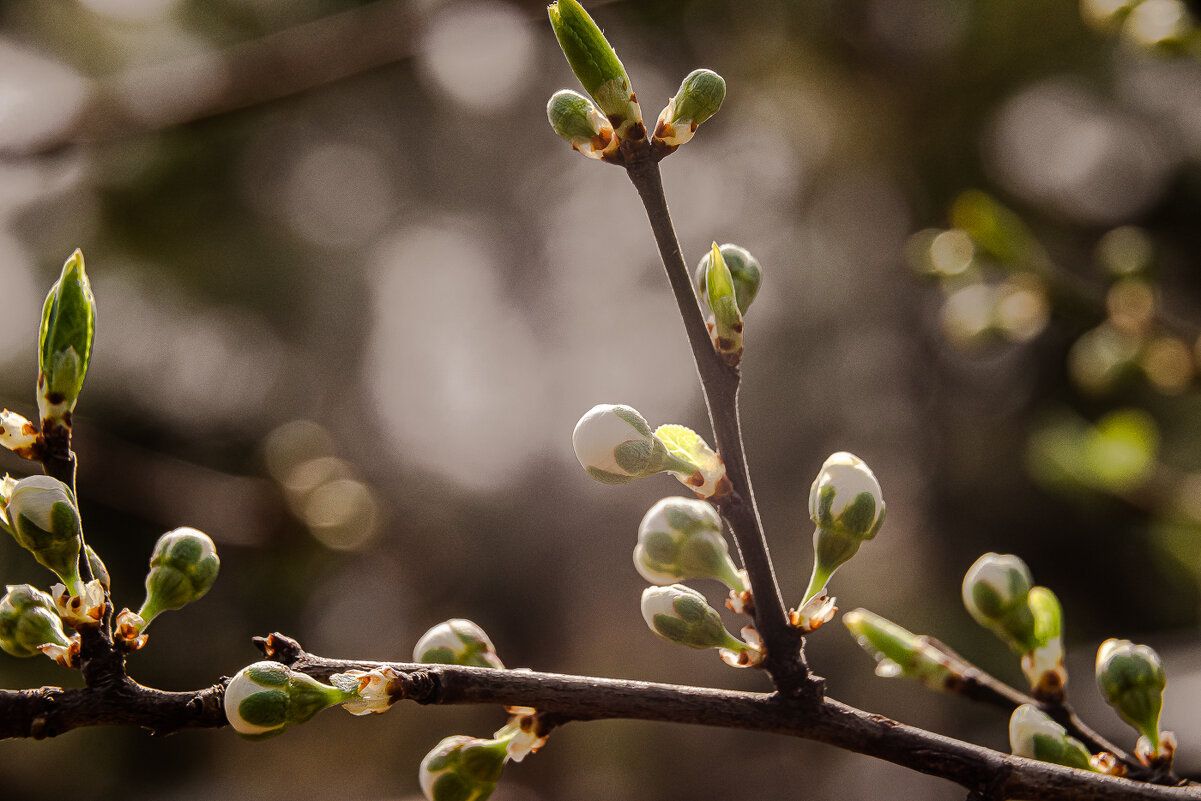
[(265, 698), (846, 504), (1131, 677), (457, 642), (576, 119), (723, 306), (1034, 735), (595, 63), (65, 341), (462, 768), (681, 615), (99, 571), (43, 519), (900, 652), (745, 272), (681, 538), (698, 98), (28, 620), (1043, 666), (183, 567), (692, 461), (995, 593)]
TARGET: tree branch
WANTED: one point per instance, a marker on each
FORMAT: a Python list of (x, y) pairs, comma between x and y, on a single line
[(785, 660)]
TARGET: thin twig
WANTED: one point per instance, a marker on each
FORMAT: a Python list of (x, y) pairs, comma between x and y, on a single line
[(785, 659)]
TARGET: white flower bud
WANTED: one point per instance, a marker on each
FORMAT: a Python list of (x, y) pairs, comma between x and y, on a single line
[(1034, 735), (457, 642), (681, 538), (840, 485), (615, 444)]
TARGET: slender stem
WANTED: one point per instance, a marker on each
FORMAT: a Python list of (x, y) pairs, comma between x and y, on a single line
[(785, 660)]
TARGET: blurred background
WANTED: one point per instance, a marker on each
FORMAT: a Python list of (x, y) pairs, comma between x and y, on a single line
[(354, 294)]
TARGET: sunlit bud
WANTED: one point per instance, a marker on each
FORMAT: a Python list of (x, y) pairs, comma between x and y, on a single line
[(615, 445), (20, 436), (369, 690), (43, 519), (900, 652), (1043, 666), (595, 63), (698, 98), (457, 642), (745, 272), (681, 615), (847, 506), (462, 768), (1032, 734), (576, 119), (1131, 678), (265, 698), (65, 342), (995, 593), (726, 319), (693, 462), (28, 620), (182, 568), (82, 608), (681, 538)]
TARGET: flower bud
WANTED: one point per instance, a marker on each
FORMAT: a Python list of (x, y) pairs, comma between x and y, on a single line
[(595, 63), (577, 120), (65, 343), (267, 697), (995, 593), (847, 506), (681, 538), (615, 445), (1032, 734), (43, 519), (900, 652), (698, 98), (681, 615), (80, 608), (182, 569), (370, 691), (20, 436), (28, 621), (457, 642), (723, 307), (1131, 678), (462, 768), (745, 270)]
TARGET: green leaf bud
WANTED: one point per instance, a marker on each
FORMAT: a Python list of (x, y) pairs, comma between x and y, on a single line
[(595, 63), (462, 768), (698, 98), (457, 642), (65, 343), (1131, 677), (1034, 735), (28, 620), (723, 306), (681, 538), (900, 652), (846, 504), (1043, 666), (371, 691), (99, 571), (995, 593), (681, 615), (43, 519), (183, 567), (267, 697), (745, 271), (576, 119), (692, 461)]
